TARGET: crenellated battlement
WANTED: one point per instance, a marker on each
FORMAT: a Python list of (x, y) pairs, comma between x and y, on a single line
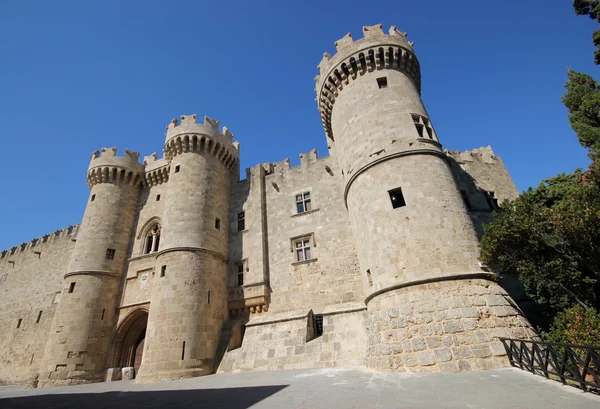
[(483, 154), (375, 51), (189, 136), (107, 167), (308, 161), (68, 232)]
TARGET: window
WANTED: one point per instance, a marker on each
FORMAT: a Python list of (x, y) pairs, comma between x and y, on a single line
[(382, 82), (465, 199), (102, 317), (163, 271), (318, 324), (93, 198), (152, 239), (208, 298), (19, 322), (218, 223), (110, 254), (177, 169), (38, 317), (157, 198), (303, 202), (423, 126), (71, 288), (303, 249), (370, 278), (240, 274), (397, 198), (492, 201), (241, 219)]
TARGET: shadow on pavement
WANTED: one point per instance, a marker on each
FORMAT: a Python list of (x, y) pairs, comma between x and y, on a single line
[(230, 398)]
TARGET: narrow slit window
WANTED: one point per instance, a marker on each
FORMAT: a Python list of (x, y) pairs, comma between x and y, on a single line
[(218, 223), (93, 198), (183, 351), (177, 169), (240, 274), (110, 254), (382, 82), (163, 271), (19, 322), (208, 298), (397, 198), (39, 317), (370, 278), (71, 288), (157, 198), (241, 221), (102, 317)]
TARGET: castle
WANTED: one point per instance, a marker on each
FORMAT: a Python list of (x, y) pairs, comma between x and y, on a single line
[(180, 268)]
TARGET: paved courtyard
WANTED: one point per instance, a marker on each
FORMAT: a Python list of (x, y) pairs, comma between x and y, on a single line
[(324, 388)]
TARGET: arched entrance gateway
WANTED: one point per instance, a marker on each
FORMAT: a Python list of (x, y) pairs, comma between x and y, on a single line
[(128, 345)]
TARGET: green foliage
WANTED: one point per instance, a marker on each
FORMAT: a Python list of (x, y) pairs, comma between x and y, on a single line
[(550, 235), (590, 8), (583, 102), (576, 326)]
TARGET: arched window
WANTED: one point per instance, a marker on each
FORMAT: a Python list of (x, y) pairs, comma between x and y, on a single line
[(152, 239)]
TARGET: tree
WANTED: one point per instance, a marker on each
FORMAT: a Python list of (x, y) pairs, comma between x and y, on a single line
[(583, 102), (550, 236), (590, 8)]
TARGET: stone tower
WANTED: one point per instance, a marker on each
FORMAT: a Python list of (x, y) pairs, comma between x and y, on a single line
[(81, 332), (417, 247), (189, 298)]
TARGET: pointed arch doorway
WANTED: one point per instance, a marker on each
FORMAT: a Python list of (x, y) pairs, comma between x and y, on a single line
[(128, 347)]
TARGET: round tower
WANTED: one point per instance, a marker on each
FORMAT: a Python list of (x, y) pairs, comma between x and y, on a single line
[(81, 333), (189, 298), (429, 302)]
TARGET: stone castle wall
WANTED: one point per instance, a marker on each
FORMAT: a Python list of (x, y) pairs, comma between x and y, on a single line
[(30, 287)]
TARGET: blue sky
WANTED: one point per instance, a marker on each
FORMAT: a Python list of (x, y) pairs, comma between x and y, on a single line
[(76, 76)]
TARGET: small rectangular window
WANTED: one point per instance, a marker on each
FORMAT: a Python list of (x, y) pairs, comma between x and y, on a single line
[(19, 322), (163, 271), (318, 324), (71, 287), (303, 252), (382, 82), (241, 220), (397, 198), (157, 198), (177, 168), (39, 317), (240, 274), (93, 198), (110, 254), (303, 203), (465, 199), (218, 223)]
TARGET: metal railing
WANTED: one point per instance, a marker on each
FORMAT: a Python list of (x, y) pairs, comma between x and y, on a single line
[(572, 364)]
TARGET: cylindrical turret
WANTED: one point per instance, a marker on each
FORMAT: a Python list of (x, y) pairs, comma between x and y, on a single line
[(189, 299), (410, 222), (79, 341)]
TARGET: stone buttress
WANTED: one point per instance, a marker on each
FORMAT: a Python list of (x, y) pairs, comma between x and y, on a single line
[(431, 306), (189, 295), (81, 332)]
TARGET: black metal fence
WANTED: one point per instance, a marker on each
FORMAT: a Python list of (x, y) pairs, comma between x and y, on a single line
[(571, 364)]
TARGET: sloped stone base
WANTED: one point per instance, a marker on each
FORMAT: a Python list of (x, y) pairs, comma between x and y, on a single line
[(446, 326)]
